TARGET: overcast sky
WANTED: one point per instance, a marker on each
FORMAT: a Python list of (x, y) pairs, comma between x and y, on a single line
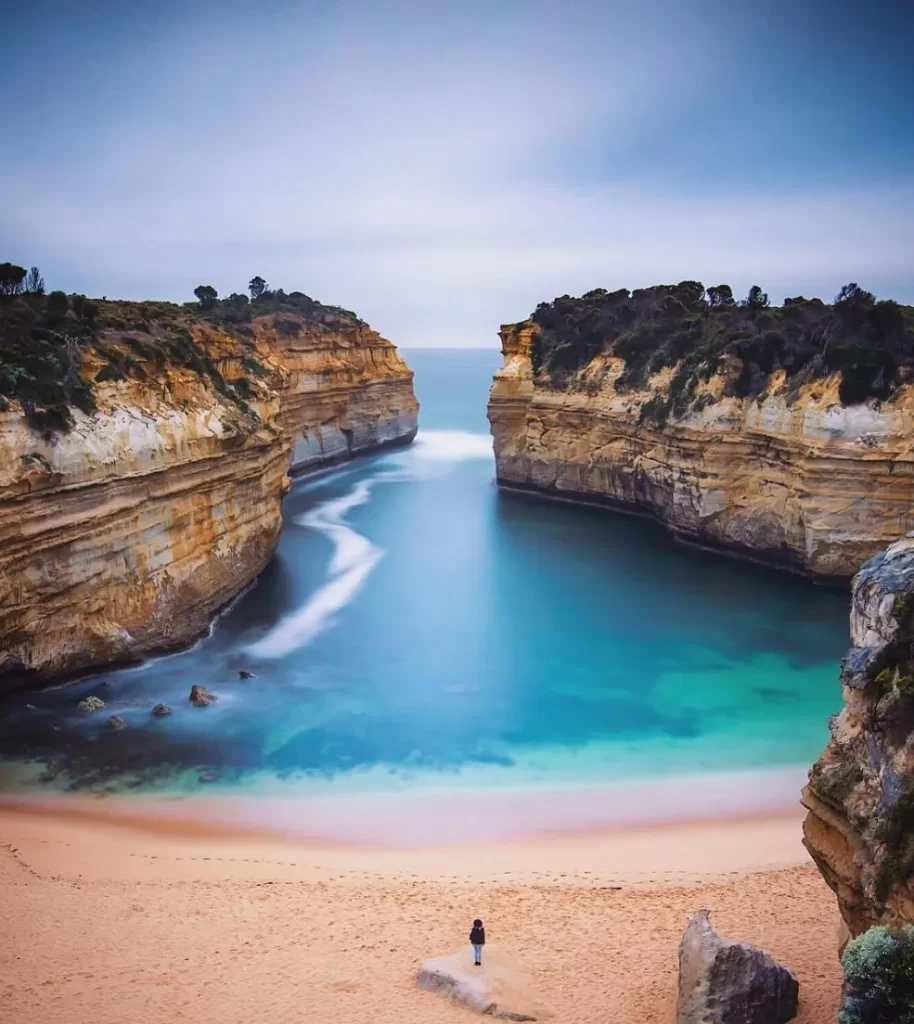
[(443, 167)]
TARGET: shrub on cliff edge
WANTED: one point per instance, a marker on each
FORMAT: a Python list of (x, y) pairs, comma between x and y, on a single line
[(879, 977)]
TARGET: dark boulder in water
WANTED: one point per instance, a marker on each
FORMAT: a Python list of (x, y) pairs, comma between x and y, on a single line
[(724, 982), (244, 674), (201, 697), (161, 709), (116, 723)]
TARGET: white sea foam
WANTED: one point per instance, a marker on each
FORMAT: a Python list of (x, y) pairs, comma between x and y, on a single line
[(353, 559), (451, 446)]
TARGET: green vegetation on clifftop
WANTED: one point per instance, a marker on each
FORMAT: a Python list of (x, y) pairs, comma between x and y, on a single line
[(699, 332), (47, 341)]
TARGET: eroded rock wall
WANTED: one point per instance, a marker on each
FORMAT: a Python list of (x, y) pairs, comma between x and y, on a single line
[(125, 534), (347, 391), (860, 797), (792, 478)]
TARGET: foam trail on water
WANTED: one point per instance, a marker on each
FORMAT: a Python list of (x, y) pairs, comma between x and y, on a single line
[(354, 557)]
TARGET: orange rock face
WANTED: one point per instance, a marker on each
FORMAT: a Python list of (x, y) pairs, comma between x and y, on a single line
[(799, 481), (124, 535)]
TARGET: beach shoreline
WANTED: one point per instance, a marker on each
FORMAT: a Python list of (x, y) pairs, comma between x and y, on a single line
[(162, 918), (435, 815)]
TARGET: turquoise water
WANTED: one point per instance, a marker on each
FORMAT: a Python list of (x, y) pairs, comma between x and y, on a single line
[(418, 628)]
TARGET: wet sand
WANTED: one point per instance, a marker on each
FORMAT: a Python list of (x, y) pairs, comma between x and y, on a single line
[(178, 919)]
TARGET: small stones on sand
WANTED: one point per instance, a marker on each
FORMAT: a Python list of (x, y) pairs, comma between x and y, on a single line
[(244, 674), (91, 704), (116, 723), (161, 709), (200, 697)]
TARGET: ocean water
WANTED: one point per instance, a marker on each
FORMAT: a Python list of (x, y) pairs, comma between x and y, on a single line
[(418, 629)]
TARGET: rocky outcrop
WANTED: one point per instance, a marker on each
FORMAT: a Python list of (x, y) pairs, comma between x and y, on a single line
[(860, 796), (125, 533), (791, 477), (724, 982), (497, 990)]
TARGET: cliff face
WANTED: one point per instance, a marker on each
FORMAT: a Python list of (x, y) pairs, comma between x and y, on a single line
[(790, 476), (347, 390), (860, 797), (125, 533)]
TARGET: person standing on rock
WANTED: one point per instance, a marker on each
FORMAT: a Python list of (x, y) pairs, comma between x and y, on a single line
[(477, 941)]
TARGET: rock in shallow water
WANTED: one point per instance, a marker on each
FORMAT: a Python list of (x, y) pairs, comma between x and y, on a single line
[(91, 704), (200, 697), (724, 982), (161, 709), (116, 723)]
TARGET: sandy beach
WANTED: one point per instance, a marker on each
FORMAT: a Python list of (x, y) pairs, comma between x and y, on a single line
[(159, 920)]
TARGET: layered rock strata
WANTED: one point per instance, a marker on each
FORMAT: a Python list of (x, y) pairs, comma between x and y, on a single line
[(126, 533), (792, 478), (347, 391), (860, 797)]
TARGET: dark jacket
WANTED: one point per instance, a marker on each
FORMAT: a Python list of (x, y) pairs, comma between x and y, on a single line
[(478, 936)]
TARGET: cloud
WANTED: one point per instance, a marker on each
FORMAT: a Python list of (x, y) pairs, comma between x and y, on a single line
[(422, 170)]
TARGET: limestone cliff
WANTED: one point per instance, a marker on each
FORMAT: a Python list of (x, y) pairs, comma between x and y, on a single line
[(860, 826), (779, 469), (347, 390), (125, 525)]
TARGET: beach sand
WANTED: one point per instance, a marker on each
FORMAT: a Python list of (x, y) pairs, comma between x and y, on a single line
[(163, 920)]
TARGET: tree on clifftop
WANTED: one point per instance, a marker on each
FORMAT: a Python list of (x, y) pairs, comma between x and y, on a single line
[(12, 278), (720, 295), (34, 282), (207, 295), (257, 286)]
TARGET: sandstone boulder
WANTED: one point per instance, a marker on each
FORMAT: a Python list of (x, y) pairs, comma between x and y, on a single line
[(497, 989), (724, 982), (161, 709), (201, 697)]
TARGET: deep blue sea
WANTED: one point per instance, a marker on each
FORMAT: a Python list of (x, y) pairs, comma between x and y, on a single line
[(418, 628)]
